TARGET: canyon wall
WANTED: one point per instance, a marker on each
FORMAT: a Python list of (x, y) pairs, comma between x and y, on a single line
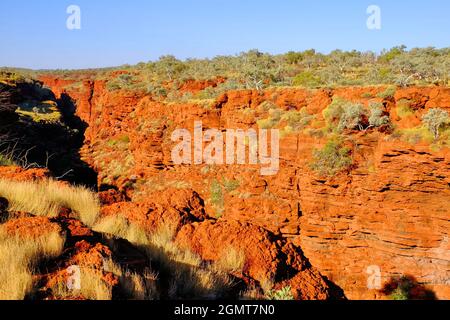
[(389, 213)]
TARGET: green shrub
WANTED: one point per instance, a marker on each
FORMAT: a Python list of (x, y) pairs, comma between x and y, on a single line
[(404, 109), (416, 135), (169, 67), (394, 52), (367, 95), (352, 117), (388, 93), (207, 93), (435, 119), (283, 294), (345, 114), (111, 143), (217, 198), (266, 106), (157, 91), (272, 121), (399, 294), (384, 75), (297, 120), (405, 286), (6, 160), (332, 159), (293, 57), (124, 139), (307, 79), (120, 82), (121, 142), (230, 185), (333, 112), (377, 116), (266, 123)]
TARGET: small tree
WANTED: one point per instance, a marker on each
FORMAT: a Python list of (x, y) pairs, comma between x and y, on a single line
[(346, 114), (352, 117), (257, 69), (434, 119), (293, 57), (168, 67)]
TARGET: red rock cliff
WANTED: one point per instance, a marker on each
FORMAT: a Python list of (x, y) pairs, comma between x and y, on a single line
[(392, 210)]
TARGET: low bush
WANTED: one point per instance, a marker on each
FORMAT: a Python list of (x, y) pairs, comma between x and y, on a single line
[(307, 79), (333, 112), (332, 159), (272, 121), (6, 160), (377, 116), (367, 95), (230, 185), (297, 120), (416, 135), (352, 117), (404, 109), (282, 294), (388, 93), (291, 121), (217, 197)]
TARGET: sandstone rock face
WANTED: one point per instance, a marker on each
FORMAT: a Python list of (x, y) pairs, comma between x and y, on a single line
[(390, 213), (19, 174), (195, 86), (173, 208), (396, 218), (265, 258), (31, 227)]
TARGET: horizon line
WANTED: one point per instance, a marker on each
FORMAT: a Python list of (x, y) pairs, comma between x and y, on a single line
[(131, 64)]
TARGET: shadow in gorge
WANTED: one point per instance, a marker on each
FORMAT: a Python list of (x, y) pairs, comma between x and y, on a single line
[(163, 276), (43, 131), (407, 287)]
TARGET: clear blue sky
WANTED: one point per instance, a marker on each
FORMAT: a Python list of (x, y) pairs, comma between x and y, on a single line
[(33, 33)]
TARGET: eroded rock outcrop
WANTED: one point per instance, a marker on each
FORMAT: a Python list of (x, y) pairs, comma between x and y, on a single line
[(266, 258)]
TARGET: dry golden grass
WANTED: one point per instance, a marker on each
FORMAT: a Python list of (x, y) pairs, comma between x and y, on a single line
[(47, 197), (252, 293), (92, 287), (140, 286), (136, 286), (18, 258), (231, 261), (120, 227), (188, 276), (267, 285)]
